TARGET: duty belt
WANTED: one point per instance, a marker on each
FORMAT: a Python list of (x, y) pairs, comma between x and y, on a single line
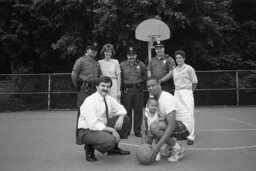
[(87, 84), (131, 85)]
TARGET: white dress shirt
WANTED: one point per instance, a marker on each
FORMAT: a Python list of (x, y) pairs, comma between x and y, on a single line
[(93, 112)]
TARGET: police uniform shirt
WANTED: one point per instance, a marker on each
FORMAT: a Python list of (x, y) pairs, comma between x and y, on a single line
[(133, 73), (160, 67), (87, 68)]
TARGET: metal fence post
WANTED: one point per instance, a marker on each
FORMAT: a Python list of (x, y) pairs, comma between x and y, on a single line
[(237, 89), (49, 92)]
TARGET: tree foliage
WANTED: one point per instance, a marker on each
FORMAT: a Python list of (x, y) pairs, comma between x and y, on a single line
[(48, 35)]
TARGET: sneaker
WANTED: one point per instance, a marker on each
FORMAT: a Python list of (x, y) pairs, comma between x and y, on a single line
[(158, 157), (177, 155), (190, 142)]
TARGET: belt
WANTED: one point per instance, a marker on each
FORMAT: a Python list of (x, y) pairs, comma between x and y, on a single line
[(136, 85), (88, 84)]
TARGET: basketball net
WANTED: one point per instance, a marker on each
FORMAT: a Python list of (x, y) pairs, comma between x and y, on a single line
[(153, 38)]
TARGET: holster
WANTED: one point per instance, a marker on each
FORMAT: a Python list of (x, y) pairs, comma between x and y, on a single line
[(79, 83), (87, 86)]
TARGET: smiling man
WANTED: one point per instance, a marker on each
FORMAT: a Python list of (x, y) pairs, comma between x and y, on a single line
[(178, 121), (161, 66), (102, 122)]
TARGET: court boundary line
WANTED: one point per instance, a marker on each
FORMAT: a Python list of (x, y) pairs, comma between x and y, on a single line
[(222, 130), (228, 118), (206, 149)]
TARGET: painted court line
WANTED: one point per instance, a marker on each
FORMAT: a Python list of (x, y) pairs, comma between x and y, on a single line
[(212, 148), (222, 130), (228, 118), (206, 149)]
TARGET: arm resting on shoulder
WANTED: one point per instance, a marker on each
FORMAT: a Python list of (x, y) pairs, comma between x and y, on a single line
[(167, 77)]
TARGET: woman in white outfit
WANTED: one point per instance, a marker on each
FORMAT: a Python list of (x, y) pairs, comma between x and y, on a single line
[(185, 82), (111, 68)]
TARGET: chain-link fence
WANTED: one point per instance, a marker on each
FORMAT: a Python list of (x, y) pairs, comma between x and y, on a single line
[(56, 91)]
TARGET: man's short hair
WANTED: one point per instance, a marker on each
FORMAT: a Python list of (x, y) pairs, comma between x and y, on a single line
[(154, 78), (104, 79)]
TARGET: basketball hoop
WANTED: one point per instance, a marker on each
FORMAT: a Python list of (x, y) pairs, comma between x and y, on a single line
[(153, 38), (150, 31)]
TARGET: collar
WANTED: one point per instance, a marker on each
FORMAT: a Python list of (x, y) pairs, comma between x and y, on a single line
[(90, 58), (134, 64), (100, 97), (161, 57), (181, 68)]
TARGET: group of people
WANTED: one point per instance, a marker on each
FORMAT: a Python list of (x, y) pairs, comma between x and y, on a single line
[(110, 98)]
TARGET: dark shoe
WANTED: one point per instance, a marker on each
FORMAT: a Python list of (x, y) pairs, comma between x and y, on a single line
[(90, 154), (118, 151), (138, 134), (190, 142)]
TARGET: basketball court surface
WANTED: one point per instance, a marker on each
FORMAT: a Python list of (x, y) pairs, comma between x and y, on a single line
[(44, 141)]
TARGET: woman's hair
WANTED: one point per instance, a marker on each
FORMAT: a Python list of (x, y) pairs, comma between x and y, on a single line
[(107, 47), (180, 52)]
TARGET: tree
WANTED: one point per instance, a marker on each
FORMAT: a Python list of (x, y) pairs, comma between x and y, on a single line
[(48, 35)]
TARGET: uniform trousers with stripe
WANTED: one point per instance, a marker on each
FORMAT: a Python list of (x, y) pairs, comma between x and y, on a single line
[(133, 102)]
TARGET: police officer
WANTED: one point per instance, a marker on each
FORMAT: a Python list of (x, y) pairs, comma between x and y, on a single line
[(85, 72), (161, 67), (134, 75)]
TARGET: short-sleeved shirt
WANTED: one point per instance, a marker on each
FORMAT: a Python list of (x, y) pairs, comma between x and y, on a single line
[(136, 73), (184, 77), (160, 67), (87, 68), (168, 103)]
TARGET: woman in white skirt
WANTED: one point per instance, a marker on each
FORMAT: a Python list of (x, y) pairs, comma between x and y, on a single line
[(185, 82)]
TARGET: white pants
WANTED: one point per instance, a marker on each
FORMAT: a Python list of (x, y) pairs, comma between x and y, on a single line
[(186, 98)]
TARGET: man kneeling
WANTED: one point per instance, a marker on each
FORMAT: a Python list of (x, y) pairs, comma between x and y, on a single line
[(102, 122)]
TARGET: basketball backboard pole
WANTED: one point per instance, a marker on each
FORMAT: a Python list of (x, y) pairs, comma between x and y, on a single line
[(152, 30), (149, 51)]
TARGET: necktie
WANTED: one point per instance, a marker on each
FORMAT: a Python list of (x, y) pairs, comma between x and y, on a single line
[(106, 105)]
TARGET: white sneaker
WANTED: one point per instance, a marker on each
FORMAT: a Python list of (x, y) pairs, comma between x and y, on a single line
[(177, 155), (158, 157)]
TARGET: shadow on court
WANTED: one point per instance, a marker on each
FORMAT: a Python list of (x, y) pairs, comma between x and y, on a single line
[(40, 141)]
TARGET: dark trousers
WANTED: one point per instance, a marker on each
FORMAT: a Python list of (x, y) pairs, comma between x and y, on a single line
[(101, 140), (133, 100), (81, 96)]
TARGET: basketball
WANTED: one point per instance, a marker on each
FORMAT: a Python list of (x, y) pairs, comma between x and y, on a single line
[(144, 153)]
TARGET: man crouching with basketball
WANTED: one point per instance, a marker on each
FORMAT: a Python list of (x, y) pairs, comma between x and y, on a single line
[(179, 124)]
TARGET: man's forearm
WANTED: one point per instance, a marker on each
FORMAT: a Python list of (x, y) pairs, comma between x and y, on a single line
[(74, 78), (166, 77)]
